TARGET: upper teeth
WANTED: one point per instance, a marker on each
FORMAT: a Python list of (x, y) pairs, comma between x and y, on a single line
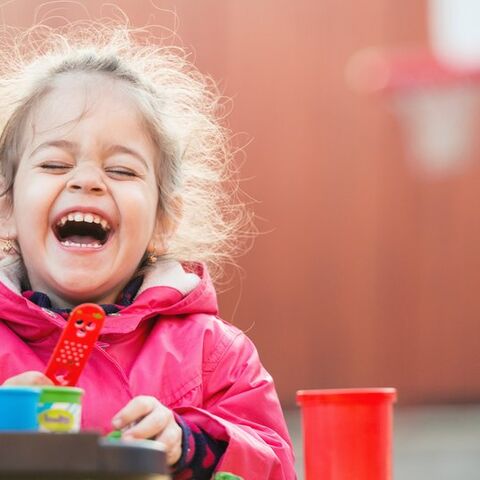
[(84, 217)]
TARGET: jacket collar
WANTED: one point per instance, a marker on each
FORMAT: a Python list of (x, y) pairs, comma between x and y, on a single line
[(165, 273), (167, 290)]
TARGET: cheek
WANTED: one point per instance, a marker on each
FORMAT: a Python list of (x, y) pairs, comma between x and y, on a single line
[(139, 210), (31, 206)]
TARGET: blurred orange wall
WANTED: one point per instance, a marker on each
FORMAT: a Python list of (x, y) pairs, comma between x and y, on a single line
[(365, 275)]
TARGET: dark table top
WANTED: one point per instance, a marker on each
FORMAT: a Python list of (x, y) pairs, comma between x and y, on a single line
[(79, 456)]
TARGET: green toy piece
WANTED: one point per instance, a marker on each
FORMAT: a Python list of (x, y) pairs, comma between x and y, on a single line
[(226, 476), (115, 435)]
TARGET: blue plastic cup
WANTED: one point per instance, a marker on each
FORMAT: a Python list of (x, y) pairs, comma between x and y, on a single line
[(18, 408)]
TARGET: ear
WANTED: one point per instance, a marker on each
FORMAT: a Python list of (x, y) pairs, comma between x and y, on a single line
[(165, 227), (8, 228)]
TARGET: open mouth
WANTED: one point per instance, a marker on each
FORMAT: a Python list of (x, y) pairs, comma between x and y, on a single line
[(82, 230)]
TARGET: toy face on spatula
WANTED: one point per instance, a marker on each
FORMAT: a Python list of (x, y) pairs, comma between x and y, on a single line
[(75, 344)]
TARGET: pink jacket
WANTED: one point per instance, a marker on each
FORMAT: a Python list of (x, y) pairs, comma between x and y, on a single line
[(170, 344)]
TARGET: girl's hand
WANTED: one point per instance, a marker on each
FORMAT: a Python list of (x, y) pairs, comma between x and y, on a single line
[(151, 419), (31, 378)]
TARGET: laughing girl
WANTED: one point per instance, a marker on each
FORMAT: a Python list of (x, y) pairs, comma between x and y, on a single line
[(112, 163)]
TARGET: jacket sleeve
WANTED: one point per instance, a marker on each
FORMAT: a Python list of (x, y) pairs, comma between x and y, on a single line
[(241, 407)]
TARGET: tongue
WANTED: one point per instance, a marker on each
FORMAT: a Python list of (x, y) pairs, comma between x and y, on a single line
[(85, 239)]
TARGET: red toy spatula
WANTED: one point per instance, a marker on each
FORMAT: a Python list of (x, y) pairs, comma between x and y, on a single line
[(75, 344)]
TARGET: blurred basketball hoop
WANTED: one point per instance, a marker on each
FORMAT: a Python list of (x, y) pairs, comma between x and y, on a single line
[(437, 104), (454, 33)]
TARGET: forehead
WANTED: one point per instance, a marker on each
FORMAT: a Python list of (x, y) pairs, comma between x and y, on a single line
[(77, 101)]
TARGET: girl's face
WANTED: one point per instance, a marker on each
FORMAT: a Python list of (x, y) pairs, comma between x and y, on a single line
[(85, 194)]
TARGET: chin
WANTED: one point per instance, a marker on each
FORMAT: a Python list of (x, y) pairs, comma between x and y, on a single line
[(78, 291), (75, 298)]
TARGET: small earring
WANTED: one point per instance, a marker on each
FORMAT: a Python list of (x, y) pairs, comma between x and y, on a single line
[(152, 255), (8, 247), (152, 258)]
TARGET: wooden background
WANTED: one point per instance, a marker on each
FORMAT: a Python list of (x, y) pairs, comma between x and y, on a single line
[(366, 274)]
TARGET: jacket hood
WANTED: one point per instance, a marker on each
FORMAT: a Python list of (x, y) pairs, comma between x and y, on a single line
[(168, 289)]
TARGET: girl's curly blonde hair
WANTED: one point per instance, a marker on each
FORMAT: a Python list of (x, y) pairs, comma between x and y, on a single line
[(182, 109)]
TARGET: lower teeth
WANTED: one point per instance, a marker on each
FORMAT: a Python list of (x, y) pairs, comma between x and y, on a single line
[(67, 243)]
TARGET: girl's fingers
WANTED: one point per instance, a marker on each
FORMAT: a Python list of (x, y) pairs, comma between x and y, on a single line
[(136, 409), (171, 437), (30, 378), (151, 425), (151, 420)]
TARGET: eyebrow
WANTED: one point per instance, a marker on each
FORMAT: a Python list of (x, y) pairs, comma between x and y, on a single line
[(72, 147), (129, 151), (62, 144)]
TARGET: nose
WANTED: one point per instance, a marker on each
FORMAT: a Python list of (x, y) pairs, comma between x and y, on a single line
[(87, 179)]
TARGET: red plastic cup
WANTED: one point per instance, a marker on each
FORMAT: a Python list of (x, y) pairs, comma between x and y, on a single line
[(347, 433)]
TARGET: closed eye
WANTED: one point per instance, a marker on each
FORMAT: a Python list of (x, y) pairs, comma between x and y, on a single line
[(122, 172), (55, 166)]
